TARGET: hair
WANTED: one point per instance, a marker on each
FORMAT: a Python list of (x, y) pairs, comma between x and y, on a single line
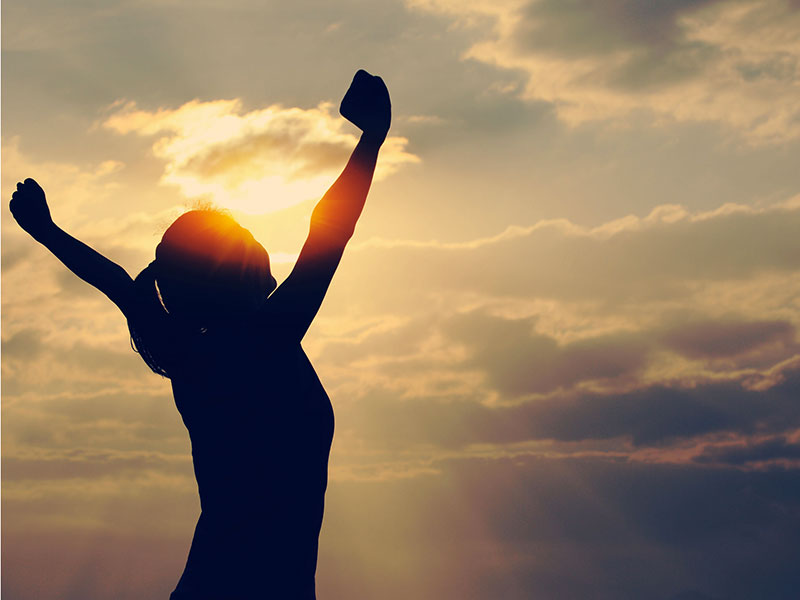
[(148, 301), (209, 272)]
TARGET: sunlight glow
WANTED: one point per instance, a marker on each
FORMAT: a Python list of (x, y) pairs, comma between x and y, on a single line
[(253, 196), (255, 162)]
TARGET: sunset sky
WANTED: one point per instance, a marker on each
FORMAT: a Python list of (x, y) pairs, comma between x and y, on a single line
[(562, 347)]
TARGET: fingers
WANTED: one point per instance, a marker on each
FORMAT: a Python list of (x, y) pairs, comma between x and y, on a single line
[(363, 82), (29, 185), (19, 194), (364, 77)]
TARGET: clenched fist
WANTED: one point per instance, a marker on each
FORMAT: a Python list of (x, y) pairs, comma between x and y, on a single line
[(367, 106), (29, 207)]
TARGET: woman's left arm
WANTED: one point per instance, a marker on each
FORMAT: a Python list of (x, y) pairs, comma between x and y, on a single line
[(366, 104)]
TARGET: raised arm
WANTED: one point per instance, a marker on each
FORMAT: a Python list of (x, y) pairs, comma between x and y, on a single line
[(29, 207), (366, 104)]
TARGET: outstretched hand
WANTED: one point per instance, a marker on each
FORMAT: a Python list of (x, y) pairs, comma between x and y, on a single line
[(29, 207), (367, 106)]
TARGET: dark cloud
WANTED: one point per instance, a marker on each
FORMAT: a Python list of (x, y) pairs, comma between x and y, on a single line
[(654, 416), (589, 27), (779, 68), (725, 337), (659, 53), (631, 60), (743, 454), (24, 345), (518, 361), (661, 414)]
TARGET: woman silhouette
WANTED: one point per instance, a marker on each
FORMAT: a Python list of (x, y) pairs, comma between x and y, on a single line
[(205, 313)]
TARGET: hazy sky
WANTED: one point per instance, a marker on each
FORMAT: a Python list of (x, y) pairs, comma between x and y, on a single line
[(562, 347)]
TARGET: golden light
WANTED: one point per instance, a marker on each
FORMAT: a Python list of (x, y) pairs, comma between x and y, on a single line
[(255, 162)]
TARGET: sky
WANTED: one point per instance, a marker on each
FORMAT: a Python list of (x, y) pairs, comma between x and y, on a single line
[(562, 347)]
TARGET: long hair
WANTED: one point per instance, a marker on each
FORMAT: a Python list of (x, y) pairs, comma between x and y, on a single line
[(209, 272), (144, 329)]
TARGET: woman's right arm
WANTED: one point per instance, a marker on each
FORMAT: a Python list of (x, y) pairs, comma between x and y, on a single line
[(29, 208)]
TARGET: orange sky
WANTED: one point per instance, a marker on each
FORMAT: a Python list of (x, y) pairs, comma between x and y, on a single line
[(562, 347)]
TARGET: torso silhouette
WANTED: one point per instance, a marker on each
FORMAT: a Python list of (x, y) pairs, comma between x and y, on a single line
[(261, 427)]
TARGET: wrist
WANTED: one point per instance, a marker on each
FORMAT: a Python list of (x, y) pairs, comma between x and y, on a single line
[(374, 138), (42, 233)]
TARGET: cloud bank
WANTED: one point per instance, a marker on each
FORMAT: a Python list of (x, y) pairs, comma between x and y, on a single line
[(734, 62)]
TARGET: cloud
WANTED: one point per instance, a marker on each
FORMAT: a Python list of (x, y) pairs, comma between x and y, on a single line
[(82, 464), (257, 161), (70, 187), (24, 344), (726, 338), (728, 260), (653, 416), (736, 62), (740, 454), (648, 331), (519, 362), (30, 350), (452, 380)]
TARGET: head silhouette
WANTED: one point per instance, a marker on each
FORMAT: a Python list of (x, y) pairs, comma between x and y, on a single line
[(210, 269)]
